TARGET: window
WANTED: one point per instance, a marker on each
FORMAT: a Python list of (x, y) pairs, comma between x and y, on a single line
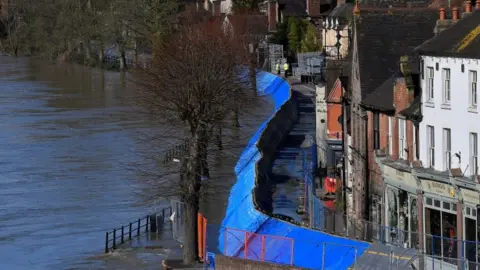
[(473, 153), (431, 145), (446, 85), (376, 131), (447, 149), (414, 137), (390, 136), (402, 130), (430, 83), (472, 77)]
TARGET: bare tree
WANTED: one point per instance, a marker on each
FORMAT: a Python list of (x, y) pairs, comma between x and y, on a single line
[(194, 81)]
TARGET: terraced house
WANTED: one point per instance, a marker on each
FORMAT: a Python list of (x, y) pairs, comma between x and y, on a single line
[(380, 37), (423, 143)]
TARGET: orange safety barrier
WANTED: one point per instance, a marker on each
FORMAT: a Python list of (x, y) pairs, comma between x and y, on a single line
[(258, 247), (201, 236)]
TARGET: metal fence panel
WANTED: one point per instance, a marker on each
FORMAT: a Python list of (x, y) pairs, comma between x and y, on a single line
[(178, 220), (258, 247)]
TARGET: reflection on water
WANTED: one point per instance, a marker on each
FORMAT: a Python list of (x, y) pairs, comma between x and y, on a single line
[(65, 145), (63, 177)]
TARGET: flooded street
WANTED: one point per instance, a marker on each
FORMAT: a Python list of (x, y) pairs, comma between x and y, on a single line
[(66, 143)]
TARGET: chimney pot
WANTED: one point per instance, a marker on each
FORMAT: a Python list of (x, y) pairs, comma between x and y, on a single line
[(455, 14), (442, 14), (477, 6), (468, 6)]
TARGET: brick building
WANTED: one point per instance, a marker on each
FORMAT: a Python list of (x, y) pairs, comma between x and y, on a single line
[(393, 111), (380, 37)]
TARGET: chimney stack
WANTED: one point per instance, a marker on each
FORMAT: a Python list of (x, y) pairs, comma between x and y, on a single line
[(313, 8), (468, 6), (272, 15), (217, 8), (442, 14), (455, 14)]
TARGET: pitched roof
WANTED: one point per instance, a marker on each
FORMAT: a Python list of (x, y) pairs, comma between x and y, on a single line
[(459, 40), (334, 69), (293, 8), (344, 12), (382, 98), (414, 111), (437, 4), (392, 3), (255, 24), (384, 36)]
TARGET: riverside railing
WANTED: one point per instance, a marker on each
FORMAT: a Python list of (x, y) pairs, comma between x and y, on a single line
[(149, 223)]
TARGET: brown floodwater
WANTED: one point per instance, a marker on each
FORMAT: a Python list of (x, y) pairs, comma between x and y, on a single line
[(70, 158)]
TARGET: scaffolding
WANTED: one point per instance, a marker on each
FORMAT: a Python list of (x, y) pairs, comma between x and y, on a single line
[(309, 64), (274, 56)]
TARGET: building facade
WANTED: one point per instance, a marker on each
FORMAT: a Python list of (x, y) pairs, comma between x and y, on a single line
[(422, 146), (373, 63)]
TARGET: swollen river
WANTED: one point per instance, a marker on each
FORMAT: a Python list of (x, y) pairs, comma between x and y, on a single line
[(66, 149)]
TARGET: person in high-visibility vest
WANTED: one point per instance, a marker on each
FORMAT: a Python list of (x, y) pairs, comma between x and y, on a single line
[(277, 67), (285, 67)]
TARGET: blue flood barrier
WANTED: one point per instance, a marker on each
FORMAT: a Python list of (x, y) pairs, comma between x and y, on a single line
[(311, 249)]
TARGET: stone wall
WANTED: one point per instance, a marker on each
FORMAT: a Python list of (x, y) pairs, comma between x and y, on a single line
[(229, 263)]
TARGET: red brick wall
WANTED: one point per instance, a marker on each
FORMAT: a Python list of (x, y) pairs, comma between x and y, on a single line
[(313, 7), (402, 99), (333, 112)]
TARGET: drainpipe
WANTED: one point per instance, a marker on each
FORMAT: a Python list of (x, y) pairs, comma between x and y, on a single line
[(367, 172), (345, 155)]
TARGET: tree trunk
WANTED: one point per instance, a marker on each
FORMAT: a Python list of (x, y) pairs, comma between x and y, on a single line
[(121, 57), (218, 137), (236, 121), (101, 54), (86, 50), (191, 193), (253, 75), (190, 252)]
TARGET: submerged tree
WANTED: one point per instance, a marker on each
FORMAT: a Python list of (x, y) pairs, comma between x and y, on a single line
[(194, 81)]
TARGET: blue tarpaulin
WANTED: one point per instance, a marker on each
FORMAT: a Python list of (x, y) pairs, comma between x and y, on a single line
[(293, 244)]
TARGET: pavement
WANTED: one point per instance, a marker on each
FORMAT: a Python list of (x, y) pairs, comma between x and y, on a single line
[(287, 165)]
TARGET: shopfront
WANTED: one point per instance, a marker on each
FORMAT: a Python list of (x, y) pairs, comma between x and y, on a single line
[(401, 214), (470, 229), (440, 218)]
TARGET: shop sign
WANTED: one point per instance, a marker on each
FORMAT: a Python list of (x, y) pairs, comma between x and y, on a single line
[(438, 188), (470, 196), (400, 176)]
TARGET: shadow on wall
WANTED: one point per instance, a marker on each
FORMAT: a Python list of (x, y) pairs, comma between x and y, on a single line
[(250, 202)]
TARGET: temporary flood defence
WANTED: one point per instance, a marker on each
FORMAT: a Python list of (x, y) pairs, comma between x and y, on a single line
[(252, 234)]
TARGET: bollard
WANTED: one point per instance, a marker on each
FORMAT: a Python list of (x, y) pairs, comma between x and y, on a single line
[(114, 237), (106, 242), (153, 223), (130, 231), (146, 223), (121, 238), (138, 227)]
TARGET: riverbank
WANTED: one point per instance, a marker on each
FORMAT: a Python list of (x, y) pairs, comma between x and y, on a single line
[(70, 139)]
